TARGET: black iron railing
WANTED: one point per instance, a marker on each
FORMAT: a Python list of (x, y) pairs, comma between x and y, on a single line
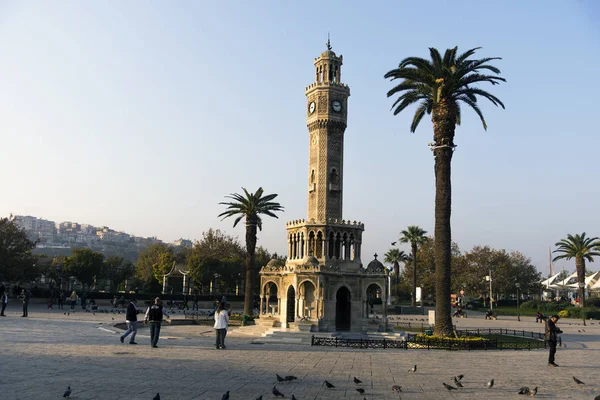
[(414, 342), (357, 343)]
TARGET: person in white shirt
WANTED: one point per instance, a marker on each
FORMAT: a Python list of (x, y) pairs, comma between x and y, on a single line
[(221, 323)]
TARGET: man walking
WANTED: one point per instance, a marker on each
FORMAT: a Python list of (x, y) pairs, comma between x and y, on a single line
[(4, 300), (131, 321), (154, 315), (551, 338)]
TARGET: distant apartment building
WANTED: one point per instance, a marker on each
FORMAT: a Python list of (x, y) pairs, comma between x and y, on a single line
[(185, 243), (33, 224)]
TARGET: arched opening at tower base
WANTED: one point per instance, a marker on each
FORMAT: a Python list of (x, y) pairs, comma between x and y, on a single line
[(291, 305), (343, 314)]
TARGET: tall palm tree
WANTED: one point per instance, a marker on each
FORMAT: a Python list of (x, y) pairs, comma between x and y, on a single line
[(415, 236), (250, 206), (396, 256), (581, 248), (438, 86)]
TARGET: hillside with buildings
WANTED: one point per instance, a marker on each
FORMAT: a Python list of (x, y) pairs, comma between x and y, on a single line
[(60, 238)]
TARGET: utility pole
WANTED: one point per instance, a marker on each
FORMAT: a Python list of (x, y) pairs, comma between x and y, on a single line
[(491, 298)]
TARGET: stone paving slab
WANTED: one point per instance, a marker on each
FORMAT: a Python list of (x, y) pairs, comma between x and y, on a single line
[(43, 354)]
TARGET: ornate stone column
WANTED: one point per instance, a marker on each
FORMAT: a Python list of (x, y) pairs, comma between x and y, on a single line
[(262, 300)]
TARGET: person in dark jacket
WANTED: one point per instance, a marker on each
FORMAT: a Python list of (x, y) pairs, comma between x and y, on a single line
[(551, 338), (154, 315), (131, 321), (4, 302), (25, 299)]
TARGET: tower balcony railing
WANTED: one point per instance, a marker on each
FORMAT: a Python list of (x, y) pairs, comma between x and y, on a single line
[(331, 221), (328, 83)]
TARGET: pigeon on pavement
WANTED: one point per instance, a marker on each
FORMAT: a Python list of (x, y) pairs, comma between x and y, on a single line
[(294, 397), (577, 381), (458, 383), (277, 393), (449, 387), (397, 388), (534, 391), (357, 381), (259, 397), (360, 390), (413, 369), (490, 384), (157, 397), (290, 378), (225, 396), (524, 390), (328, 384), (67, 392), (279, 378)]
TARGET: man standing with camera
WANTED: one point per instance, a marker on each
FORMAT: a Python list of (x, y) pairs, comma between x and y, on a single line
[(551, 338)]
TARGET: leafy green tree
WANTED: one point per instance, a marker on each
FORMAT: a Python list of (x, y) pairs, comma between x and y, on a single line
[(439, 86), (17, 263), (153, 264), (84, 265), (249, 207), (582, 249), (216, 253), (117, 269), (415, 236), (507, 269), (426, 267), (395, 257)]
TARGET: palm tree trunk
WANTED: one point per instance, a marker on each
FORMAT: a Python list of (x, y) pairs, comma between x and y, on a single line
[(580, 266), (444, 122), (397, 273), (250, 249), (414, 285)]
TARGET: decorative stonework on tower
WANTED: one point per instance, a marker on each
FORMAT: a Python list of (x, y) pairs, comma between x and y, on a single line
[(323, 280), (327, 113)]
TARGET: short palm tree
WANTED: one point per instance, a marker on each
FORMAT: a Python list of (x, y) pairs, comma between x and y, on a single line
[(581, 248), (249, 206), (396, 256), (415, 236), (439, 86)]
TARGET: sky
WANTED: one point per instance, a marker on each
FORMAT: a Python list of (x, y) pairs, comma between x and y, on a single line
[(143, 116)]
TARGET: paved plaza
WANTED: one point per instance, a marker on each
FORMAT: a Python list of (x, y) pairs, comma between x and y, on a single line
[(43, 354)]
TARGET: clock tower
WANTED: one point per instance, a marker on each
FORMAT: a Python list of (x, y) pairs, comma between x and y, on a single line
[(326, 115), (322, 285)]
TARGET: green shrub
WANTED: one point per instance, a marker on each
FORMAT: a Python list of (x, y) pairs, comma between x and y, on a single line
[(529, 305), (595, 302)]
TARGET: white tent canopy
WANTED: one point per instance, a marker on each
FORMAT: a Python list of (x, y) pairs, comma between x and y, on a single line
[(565, 283), (571, 283), (548, 282)]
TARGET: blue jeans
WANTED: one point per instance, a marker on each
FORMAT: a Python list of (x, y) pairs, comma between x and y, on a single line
[(131, 328), (154, 333)]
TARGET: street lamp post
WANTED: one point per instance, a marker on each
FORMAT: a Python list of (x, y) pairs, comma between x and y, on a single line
[(518, 285)]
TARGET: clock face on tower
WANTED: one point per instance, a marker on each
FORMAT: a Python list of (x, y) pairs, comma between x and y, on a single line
[(336, 105), (311, 107)]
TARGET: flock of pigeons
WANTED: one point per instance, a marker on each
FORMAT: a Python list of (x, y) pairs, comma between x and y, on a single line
[(524, 390)]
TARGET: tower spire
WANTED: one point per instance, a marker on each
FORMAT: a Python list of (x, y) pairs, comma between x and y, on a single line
[(328, 42)]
